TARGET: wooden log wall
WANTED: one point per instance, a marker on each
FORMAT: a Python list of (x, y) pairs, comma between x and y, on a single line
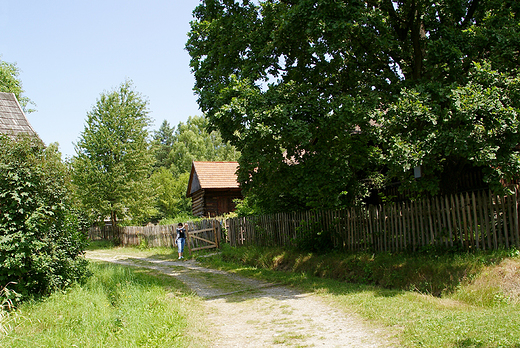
[(197, 203), (472, 221)]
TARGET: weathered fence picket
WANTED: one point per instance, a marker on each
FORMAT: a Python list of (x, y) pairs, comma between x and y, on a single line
[(481, 220), (162, 235)]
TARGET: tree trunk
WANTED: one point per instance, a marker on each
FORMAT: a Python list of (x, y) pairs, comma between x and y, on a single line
[(115, 228)]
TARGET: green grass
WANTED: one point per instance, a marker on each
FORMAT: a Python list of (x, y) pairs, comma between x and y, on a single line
[(476, 305), (117, 307), (472, 310)]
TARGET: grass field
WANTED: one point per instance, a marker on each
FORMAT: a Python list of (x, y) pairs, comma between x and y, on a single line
[(117, 307)]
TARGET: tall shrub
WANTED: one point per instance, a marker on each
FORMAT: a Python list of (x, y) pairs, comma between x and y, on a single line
[(41, 242)]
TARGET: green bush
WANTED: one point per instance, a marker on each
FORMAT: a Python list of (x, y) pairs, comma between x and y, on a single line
[(313, 237), (41, 237)]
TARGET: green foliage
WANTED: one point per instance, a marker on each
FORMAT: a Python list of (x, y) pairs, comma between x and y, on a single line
[(477, 127), (41, 235), (314, 238), (117, 307), (112, 166), (182, 217), (175, 150), (11, 83), (193, 141), (171, 192), (302, 88), (440, 274), (247, 206), (163, 140)]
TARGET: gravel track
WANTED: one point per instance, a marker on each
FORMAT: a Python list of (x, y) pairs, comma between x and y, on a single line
[(245, 312)]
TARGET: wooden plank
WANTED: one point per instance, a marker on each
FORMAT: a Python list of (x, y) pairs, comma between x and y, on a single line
[(512, 219), (439, 233), (498, 217), (385, 228), (504, 220), (215, 234), (371, 225), (445, 218), (205, 240), (378, 229), (458, 219), (448, 219), (408, 225), (389, 227), (395, 230), (486, 212), (516, 212), (494, 220), (511, 226), (443, 222), (437, 223), (401, 240), (203, 230), (188, 240), (465, 220), (483, 219), (420, 210), (349, 230), (430, 220), (344, 230), (477, 221), (413, 225), (203, 247)]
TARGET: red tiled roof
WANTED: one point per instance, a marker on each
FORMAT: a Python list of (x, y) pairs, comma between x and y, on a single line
[(213, 175)]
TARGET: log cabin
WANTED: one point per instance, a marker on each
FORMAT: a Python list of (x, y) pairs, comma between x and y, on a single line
[(213, 187)]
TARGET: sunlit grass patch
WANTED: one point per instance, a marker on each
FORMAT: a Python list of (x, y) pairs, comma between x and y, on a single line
[(8, 318), (477, 306), (117, 307)]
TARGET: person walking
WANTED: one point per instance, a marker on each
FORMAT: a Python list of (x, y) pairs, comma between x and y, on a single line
[(180, 239)]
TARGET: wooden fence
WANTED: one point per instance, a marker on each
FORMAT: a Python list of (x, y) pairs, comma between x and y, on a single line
[(161, 235), (477, 220)]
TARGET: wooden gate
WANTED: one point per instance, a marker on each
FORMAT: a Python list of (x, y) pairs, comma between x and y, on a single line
[(201, 239)]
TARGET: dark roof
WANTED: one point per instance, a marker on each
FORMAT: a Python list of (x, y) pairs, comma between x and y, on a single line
[(212, 175), (12, 117)]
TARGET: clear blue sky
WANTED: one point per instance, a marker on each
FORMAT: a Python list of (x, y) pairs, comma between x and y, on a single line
[(71, 51)]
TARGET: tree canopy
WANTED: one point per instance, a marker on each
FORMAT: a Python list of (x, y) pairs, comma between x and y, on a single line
[(10, 82), (325, 98), (113, 161), (175, 150), (195, 142)]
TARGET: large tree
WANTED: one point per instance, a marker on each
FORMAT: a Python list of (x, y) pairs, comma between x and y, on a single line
[(163, 140), (170, 190), (193, 141), (113, 161), (175, 150), (311, 92)]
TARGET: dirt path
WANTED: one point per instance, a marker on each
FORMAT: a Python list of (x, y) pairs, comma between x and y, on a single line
[(252, 313)]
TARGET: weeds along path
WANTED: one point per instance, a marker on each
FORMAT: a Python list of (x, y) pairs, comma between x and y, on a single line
[(244, 312)]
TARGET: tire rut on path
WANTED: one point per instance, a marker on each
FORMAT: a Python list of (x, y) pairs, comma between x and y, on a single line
[(246, 312)]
